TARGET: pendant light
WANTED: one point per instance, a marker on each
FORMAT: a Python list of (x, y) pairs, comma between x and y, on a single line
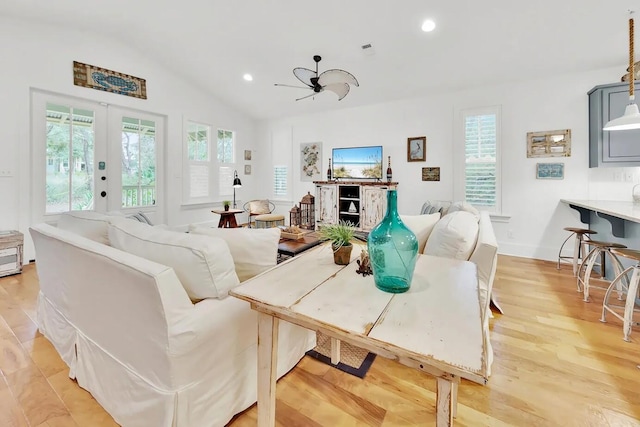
[(631, 117)]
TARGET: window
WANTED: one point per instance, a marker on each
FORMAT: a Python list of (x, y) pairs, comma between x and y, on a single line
[(225, 146), (279, 180), (70, 141), (198, 160), (481, 137), (138, 162)]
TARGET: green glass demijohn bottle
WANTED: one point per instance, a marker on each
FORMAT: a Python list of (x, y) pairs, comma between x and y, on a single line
[(393, 250)]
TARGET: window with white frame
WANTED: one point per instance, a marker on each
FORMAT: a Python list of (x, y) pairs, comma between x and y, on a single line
[(481, 141), (226, 160), (280, 180), (199, 164)]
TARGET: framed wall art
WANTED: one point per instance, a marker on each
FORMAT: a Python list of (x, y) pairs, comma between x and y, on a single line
[(550, 143), (247, 169), (431, 174), (417, 149), (109, 81), (310, 161), (247, 154), (550, 170)]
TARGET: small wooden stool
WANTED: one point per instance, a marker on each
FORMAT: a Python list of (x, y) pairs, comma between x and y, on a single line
[(599, 249), (269, 220), (624, 285), (582, 237)]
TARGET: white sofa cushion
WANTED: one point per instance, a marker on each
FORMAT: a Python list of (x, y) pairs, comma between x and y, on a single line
[(421, 225), (253, 250), (454, 236), (89, 224), (203, 264)]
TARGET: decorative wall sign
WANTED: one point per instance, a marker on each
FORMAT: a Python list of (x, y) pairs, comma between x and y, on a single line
[(417, 149), (551, 143), (247, 154), (431, 174), (311, 161), (110, 81), (550, 170), (247, 169)]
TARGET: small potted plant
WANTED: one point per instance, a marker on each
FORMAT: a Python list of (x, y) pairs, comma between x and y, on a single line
[(226, 204), (340, 236)]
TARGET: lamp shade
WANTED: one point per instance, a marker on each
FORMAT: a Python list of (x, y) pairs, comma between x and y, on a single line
[(630, 119), (236, 181)]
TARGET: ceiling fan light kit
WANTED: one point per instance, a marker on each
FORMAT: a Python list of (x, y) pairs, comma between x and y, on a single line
[(631, 117), (334, 80)]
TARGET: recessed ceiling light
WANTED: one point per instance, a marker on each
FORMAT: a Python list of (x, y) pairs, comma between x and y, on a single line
[(428, 25), (248, 77)]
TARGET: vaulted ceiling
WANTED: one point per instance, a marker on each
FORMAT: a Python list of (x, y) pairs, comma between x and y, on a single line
[(212, 43)]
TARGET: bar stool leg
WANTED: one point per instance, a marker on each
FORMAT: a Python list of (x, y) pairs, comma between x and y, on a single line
[(584, 265), (560, 251), (617, 284), (576, 253), (632, 292)]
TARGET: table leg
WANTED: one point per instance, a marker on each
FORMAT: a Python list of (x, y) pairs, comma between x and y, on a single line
[(444, 403), (335, 351), (232, 221), (267, 367), (221, 222)]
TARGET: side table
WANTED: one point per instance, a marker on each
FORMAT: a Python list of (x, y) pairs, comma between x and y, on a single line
[(227, 218), (11, 243)]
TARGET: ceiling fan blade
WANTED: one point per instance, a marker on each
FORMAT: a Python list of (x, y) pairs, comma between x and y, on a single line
[(304, 75), (337, 76), (304, 97), (340, 89), (297, 87)]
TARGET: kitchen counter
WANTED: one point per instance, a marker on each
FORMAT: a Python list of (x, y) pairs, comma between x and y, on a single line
[(614, 211)]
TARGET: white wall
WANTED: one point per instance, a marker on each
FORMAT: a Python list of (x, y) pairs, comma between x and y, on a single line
[(537, 217), (41, 57)]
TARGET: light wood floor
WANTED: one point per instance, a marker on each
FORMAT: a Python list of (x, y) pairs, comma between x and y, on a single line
[(555, 365)]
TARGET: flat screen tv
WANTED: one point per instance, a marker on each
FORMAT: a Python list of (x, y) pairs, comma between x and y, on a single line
[(357, 162)]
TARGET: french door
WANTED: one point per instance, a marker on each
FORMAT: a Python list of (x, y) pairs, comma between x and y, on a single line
[(92, 156)]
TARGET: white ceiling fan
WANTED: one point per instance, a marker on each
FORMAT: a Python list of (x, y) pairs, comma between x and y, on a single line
[(334, 80)]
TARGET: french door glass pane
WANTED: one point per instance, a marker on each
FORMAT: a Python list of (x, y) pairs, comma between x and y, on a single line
[(70, 158), (138, 162)]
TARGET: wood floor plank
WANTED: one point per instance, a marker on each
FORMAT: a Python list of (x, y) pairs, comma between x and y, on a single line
[(555, 364)]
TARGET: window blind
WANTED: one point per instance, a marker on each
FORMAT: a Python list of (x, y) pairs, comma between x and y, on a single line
[(480, 159)]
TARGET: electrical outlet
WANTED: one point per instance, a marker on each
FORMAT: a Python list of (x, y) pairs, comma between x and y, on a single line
[(5, 173), (617, 176), (628, 176)]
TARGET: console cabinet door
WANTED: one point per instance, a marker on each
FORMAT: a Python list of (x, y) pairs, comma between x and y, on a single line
[(374, 206), (327, 209)]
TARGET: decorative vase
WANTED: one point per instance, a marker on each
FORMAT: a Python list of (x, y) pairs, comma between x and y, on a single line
[(342, 254), (226, 207), (393, 250)]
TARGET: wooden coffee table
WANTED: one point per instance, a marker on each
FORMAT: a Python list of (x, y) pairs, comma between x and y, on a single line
[(435, 327), (288, 248)]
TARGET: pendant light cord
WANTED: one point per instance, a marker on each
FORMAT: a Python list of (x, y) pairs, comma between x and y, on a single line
[(632, 74)]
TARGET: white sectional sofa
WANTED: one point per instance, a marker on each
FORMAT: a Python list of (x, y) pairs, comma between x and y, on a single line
[(133, 337)]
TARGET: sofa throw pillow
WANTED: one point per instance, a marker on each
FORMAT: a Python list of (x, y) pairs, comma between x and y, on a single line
[(433, 206), (203, 264), (259, 207), (454, 236), (253, 250), (421, 225), (89, 224), (464, 206)]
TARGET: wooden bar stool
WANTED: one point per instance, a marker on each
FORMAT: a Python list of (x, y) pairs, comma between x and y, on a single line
[(624, 285), (582, 237), (599, 249)]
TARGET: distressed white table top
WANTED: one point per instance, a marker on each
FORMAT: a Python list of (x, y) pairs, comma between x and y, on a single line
[(437, 322)]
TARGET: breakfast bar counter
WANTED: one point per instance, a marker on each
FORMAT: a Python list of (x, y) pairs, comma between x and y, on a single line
[(614, 211)]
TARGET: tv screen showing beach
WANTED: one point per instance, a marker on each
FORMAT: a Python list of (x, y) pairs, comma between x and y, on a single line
[(357, 162)]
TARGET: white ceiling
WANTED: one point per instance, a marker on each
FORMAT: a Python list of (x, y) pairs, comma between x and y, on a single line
[(212, 43)]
